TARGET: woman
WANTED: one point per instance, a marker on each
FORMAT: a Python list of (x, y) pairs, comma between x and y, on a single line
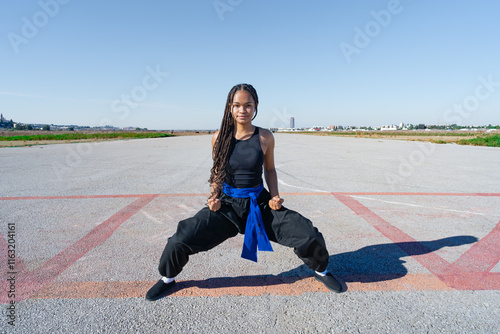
[(239, 203)]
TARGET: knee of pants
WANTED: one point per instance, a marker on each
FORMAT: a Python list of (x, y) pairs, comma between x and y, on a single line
[(174, 245), (185, 232), (189, 240), (315, 249), (174, 248)]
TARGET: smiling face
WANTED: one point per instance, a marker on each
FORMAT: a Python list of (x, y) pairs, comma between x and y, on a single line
[(243, 107)]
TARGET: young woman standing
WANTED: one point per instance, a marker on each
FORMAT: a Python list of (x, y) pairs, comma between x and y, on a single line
[(239, 203)]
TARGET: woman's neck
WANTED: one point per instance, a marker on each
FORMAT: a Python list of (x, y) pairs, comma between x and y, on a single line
[(243, 129)]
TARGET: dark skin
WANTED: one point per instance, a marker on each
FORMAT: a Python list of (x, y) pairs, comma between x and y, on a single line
[(243, 109)]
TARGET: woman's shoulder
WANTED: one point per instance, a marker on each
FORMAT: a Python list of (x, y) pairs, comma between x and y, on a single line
[(214, 137), (265, 133)]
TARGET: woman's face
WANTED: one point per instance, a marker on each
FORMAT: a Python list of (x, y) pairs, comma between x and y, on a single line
[(243, 107)]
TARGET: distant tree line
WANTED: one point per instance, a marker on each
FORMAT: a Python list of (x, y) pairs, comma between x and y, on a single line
[(449, 127)]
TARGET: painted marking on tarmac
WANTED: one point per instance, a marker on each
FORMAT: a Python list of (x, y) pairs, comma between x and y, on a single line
[(232, 286), (485, 254), (482, 256), (320, 193), (32, 281), (470, 272), (429, 260), (96, 196), (310, 189), (20, 266), (150, 217), (419, 206)]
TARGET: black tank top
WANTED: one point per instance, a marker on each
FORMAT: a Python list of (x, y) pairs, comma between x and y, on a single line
[(244, 169)]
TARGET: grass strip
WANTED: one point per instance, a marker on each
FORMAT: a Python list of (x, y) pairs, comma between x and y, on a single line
[(393, 133), (79, 136), (490, 140)]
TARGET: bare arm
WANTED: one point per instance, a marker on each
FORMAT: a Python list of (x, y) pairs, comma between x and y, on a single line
[(270, 172), (214, 203)]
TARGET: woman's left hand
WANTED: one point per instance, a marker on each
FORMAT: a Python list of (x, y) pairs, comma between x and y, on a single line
[(275, 202)]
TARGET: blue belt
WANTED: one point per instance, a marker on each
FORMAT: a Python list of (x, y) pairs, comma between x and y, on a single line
[(255, 232)]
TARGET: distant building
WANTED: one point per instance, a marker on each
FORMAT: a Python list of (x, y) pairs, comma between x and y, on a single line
[(4, 123), (292, 122), (388, 128)]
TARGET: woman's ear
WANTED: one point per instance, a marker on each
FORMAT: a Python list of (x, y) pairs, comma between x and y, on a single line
[(255, 115)]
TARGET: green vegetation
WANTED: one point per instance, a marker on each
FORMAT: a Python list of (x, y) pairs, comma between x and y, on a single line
[(382, 134), (489, 140), (80, 136), (439, 141), (437, 137)]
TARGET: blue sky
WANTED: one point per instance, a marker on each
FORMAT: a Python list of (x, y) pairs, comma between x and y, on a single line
[(169, 64)]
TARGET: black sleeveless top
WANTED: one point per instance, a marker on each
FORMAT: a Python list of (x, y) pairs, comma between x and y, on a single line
[(244, 168)]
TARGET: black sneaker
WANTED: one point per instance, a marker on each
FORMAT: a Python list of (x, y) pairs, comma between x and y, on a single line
[(159, 290), (330, 282)]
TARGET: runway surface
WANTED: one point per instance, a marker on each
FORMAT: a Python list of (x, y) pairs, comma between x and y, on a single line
[(413, 229)]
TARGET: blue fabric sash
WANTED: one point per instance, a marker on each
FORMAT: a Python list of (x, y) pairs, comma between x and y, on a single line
[(255, 232)]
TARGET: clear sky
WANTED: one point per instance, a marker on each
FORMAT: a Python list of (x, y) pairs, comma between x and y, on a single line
[(170, 64)]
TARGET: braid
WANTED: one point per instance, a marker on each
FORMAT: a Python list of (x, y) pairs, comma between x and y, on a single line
[(223, 146)]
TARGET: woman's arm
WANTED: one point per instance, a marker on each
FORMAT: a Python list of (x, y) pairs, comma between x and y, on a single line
[(270, 171), (214, 203)]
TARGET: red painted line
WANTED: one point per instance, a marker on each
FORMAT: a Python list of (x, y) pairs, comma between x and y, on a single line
[(417, 194), (74, 197), (35, 280), (472, 281), (252, 286), (284, 194), (460, 275), (481, 257), (10, 267), (422, 254), (99, 196), (231, 286), (469, 272), (18, 264)]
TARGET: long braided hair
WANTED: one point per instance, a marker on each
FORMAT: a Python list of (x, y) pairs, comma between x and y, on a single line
[(224, 143)]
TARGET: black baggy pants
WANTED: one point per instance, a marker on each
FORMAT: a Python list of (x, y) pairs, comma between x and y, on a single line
[(208, 229)]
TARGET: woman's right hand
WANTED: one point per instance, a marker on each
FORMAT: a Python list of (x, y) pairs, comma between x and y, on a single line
[(214, 204)]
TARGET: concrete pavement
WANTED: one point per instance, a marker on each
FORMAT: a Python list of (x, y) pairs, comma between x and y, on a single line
[(412, 228)]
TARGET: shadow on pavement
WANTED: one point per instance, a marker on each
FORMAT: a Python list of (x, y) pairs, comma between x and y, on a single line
[(382, 262), (369, 264)]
